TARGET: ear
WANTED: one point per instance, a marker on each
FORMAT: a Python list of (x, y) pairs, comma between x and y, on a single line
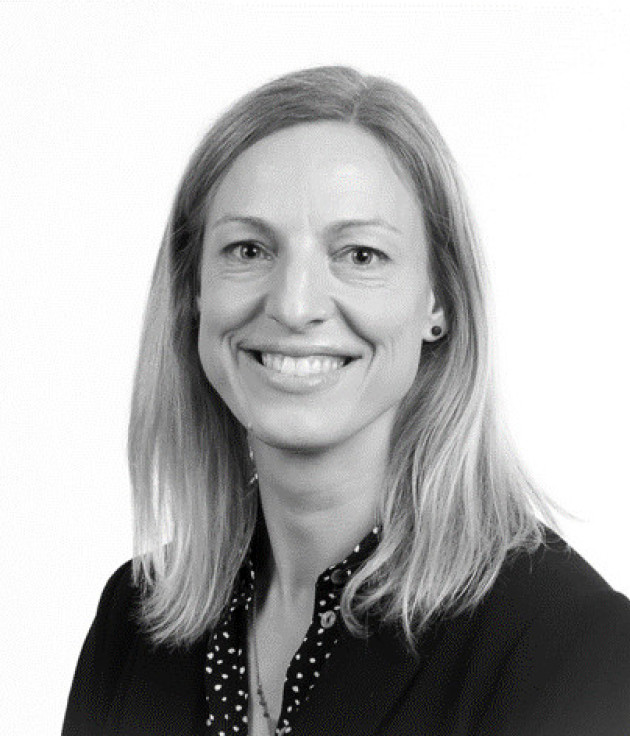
[(435, 322)]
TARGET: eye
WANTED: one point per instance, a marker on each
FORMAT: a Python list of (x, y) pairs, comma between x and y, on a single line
[(247, 250), (362, 255)]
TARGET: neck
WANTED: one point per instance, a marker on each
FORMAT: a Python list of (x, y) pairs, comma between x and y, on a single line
[(317, 506)]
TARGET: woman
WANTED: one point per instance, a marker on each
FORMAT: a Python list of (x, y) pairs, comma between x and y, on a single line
[(352, 548)]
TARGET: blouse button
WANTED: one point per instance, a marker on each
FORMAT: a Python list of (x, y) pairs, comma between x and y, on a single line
[(337, 576), (328, 619)]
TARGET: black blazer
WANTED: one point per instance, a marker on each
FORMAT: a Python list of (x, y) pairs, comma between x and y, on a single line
[(546, 653)]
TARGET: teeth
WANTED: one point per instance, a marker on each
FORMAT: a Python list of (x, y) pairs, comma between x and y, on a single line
[(308, 366)]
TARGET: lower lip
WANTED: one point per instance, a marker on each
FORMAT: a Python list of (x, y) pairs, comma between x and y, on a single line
[(295, 384)]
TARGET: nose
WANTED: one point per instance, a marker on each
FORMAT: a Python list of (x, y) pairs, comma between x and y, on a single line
[(299, 294)]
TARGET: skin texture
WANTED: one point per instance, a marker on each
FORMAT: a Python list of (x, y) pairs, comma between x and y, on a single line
[(292, 280)]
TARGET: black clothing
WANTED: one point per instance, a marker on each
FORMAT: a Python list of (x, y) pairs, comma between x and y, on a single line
[(546, 653)]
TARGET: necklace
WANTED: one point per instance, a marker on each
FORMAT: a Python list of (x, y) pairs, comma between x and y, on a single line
[(271, 723)]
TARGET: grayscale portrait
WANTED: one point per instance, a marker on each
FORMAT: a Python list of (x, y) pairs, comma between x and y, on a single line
[(334, 532), (314, 368)]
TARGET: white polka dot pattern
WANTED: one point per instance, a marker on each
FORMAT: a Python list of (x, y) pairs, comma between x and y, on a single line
[(226, 676)]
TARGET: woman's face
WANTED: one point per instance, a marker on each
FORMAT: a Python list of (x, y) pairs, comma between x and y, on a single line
[(315, 292)]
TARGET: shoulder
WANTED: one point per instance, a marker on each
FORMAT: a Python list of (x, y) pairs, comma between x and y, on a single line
[(112, 637), (553, 593), (555, 582), (124, 682), (118, 607), (561, 635), (119, 588), (551, 598)]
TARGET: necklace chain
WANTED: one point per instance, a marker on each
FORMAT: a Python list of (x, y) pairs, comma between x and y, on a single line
[(271, 723)]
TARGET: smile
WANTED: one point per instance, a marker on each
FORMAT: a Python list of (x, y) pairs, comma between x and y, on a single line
[(308, 365)]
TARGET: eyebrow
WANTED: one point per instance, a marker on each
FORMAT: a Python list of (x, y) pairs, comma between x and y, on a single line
[(335, 228)]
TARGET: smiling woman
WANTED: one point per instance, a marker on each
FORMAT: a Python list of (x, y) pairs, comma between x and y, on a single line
[(328, 261), (333, 534)]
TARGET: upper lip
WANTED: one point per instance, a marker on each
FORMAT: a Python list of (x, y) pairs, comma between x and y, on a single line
[(301, 351)]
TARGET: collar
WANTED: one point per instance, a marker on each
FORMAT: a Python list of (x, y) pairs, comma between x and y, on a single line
[(330, 582)]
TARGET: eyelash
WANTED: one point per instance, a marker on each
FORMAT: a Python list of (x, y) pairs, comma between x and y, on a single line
[(236, 249)]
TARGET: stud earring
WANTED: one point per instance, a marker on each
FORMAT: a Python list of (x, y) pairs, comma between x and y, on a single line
[(436, 330)]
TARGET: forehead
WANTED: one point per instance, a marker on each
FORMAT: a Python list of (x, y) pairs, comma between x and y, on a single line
[(318, 171)]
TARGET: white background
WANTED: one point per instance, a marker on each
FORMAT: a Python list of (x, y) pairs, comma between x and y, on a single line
[(100, 106)]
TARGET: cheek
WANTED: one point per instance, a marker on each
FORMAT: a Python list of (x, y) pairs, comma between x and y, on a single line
[(219, 316), (393, 327), (216, 357), (207, 347), (223, 307), (392, 321)]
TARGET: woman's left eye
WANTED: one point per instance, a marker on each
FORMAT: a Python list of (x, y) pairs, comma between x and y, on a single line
[(362, 255)]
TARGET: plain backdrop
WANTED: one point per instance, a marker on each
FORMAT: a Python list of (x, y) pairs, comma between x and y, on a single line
[(100, 106)]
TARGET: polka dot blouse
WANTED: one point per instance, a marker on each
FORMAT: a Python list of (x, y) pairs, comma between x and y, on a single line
[(226, 677)]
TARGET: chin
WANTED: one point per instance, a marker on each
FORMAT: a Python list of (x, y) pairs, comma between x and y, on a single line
[(298, 436)]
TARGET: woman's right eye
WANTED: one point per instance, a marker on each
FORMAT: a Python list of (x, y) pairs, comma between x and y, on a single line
[(247, 251)]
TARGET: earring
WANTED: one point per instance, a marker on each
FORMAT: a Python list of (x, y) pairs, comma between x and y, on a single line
[(436, 330)]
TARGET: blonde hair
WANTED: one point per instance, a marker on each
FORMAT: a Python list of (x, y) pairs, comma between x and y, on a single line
[(456, 500)]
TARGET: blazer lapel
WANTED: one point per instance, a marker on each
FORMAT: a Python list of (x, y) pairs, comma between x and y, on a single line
[(363, 680)]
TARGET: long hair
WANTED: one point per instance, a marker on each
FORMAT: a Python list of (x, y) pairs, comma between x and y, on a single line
[(455, 501)]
